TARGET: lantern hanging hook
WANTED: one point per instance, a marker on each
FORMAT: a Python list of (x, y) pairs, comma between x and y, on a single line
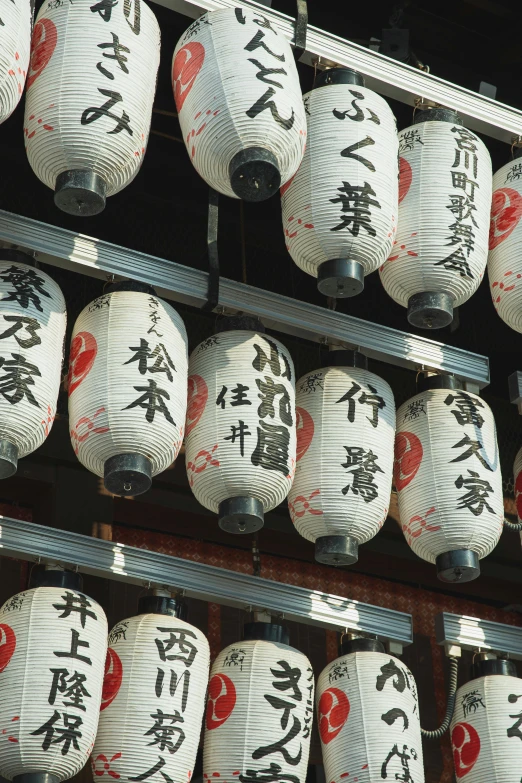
[(301, 27)]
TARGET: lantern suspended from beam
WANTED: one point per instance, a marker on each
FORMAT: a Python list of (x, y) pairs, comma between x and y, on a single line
[(440, 249), (54, 643), (240, 432), (15, 45), (127, 386), (448, 479), (239, 103), (340, 209), (368, 714), (89, 99), (345, 438)]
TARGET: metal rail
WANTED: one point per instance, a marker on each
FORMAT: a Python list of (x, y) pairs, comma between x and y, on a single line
[(456, 631)]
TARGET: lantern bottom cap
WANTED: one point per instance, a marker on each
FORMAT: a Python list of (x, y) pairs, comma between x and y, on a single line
[(36, 777), (241, 515), (8, 458), (430, 310), (336, 550), (254, 174), (80, 192), (127, 474), (461, 565), (340, 278)]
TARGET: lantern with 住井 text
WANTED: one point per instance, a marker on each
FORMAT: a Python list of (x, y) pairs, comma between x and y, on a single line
[(15, 44)]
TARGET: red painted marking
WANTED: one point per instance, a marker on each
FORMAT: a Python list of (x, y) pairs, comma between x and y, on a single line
[(506, 211), (305, 431), (188, 62), (418, 525), (300, 222), (81, 359), (465, 742), (405, 178), (401, 248), (408, 458), (111, 681), (197, 396), (333, 710), (301, 505), (285, 187), (7, 645), (43, 44), (221, 701)]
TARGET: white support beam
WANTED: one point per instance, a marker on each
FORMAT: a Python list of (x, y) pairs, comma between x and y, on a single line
[(472, 633)]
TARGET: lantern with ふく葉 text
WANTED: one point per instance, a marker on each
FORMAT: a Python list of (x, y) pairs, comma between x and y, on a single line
[(15, 45)]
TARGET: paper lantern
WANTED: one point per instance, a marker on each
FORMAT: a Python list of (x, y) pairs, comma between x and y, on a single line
[(52, 652), (345, 438), (368, 714), (239, 103), (127, 386), (517, 471), (89, 98), (32, 331), (240, 431), (440, 249), (15, 36), (153, 695), (448, 479), (259, 712), (340, 209)]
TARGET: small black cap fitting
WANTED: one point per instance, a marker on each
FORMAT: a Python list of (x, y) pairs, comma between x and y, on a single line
[(361, 645), (461, 565), (437, 114), (427, 382), (80, 192), (430, 310), (16, 256), (8, 458), (129, 285), (248, 323), (254, 174), (53, 577), (36, 777), (494, 666), (161, 604), (241, 515), (336, 550), (339, 76), (268, 632), (127, 474), (340, 278), (345, 358)]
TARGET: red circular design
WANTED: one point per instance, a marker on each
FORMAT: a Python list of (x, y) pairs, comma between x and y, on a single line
[(506, 211), (188, 62), (284, 188), (405, 177), (81, 358), (334, 709), (112, 678), (305, 431), (197, 396), (466, 748), (518, 494), (408, 457), (43, 44), (7, 645), (221, 700)]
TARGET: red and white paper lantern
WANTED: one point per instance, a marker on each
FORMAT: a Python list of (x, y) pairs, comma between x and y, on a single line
[(340, 209), (239, 103), (345, 438), (15, 36), (127, 387), (90, 91), (440, 249), (448, 479)]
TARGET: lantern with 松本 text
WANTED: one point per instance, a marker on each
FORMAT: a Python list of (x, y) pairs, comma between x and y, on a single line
[(340, 209), (240, 431), (89, 100), (15, 37), (448, 479), (368, 716), (127, 386), (440, 249), (345, 437), (239, 103), (54, 643)]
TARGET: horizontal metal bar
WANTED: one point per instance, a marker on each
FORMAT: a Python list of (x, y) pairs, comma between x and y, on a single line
[(471, 633), (383, 74), (180, 283), (28, 541)]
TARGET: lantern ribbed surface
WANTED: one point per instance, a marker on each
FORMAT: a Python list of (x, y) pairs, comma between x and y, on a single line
[(153, 699), (259, 713), (505, 244), (368, 719), (127, 380), (15, 34), (52, 654), (447, 474), (236, 87), (345, 439), (240, 432), (517, 472)]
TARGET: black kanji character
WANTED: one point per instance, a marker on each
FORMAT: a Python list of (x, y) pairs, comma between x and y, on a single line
[(391, 716), (456, 262), (478, 490), (462, 208), (461, 181), (359, 113), (239, 396), (73, 653), (405, 777), (266, 102), (374, 400), (279, 746), (468, 406), (152, 401), (104, 8), (356, 199), (179, 642), (463, 234), (164, 731), (362, 465), (23, 322), (162, 361), (287, 678), (271, 451), (117, 55), (257, 41), (273, 361), (349, 152), (69, 734), (281, 704), (136, 26), (514, 730), (466, 151), (474, 449), (269, 391), (389, 670), (73, 688), (173, 685), (414, 409), (264, 72), (26, 283), (75, 602), (14, 385), (272, 774), (94, 113), (239, 432), (471, 702), (152, 771)]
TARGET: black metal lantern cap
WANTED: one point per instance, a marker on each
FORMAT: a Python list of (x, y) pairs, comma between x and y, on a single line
[(241, 515), (339, 76), (129, 285), (248, 323), (336, 550), (162, 604), (16, 256), (345, 358), (430, 310), (461, 565), (36, 777), (127, 474), (360, 644), (8, 458), (80, 192), (427, 382), (437, 114), (254, 174), (340, 278), (267, 632), (490, 666), (41, 576)]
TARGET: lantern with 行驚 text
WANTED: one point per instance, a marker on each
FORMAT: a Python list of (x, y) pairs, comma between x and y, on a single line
[(15, 44)]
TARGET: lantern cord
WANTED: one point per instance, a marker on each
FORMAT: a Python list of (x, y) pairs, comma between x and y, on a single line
[(450, 704), (301, 25), (213, 258), (516, 527)]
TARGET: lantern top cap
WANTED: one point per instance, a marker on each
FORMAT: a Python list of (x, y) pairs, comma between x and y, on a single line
[(55, 576), (162, 604), (129, 285), (345, 358), (247, 323), (339, 76), (437, 114), (492, 666), (267, 632), (360, 644), (427, 382)]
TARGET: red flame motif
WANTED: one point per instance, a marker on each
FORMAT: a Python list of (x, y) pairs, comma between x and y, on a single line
[(305, 431), (81, 359), (43, 44), (196, 401), (105, 765), (221, 700), (506, 211), (112, 678), (408, 457), (405, 178), (187, 64), (518, 494), (466, 748), (334, 709), (7, 645)]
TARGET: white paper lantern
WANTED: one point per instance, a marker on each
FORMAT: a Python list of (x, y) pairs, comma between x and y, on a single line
[(15, 37), (153, 696), (368, 714), (260, 710), (517, 472), (440, 249), (345, 438), (239, 103), (448, 479), (127, 387), (32, 331), (340, 209), (240, 436), (89, 98), (52, 654)]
